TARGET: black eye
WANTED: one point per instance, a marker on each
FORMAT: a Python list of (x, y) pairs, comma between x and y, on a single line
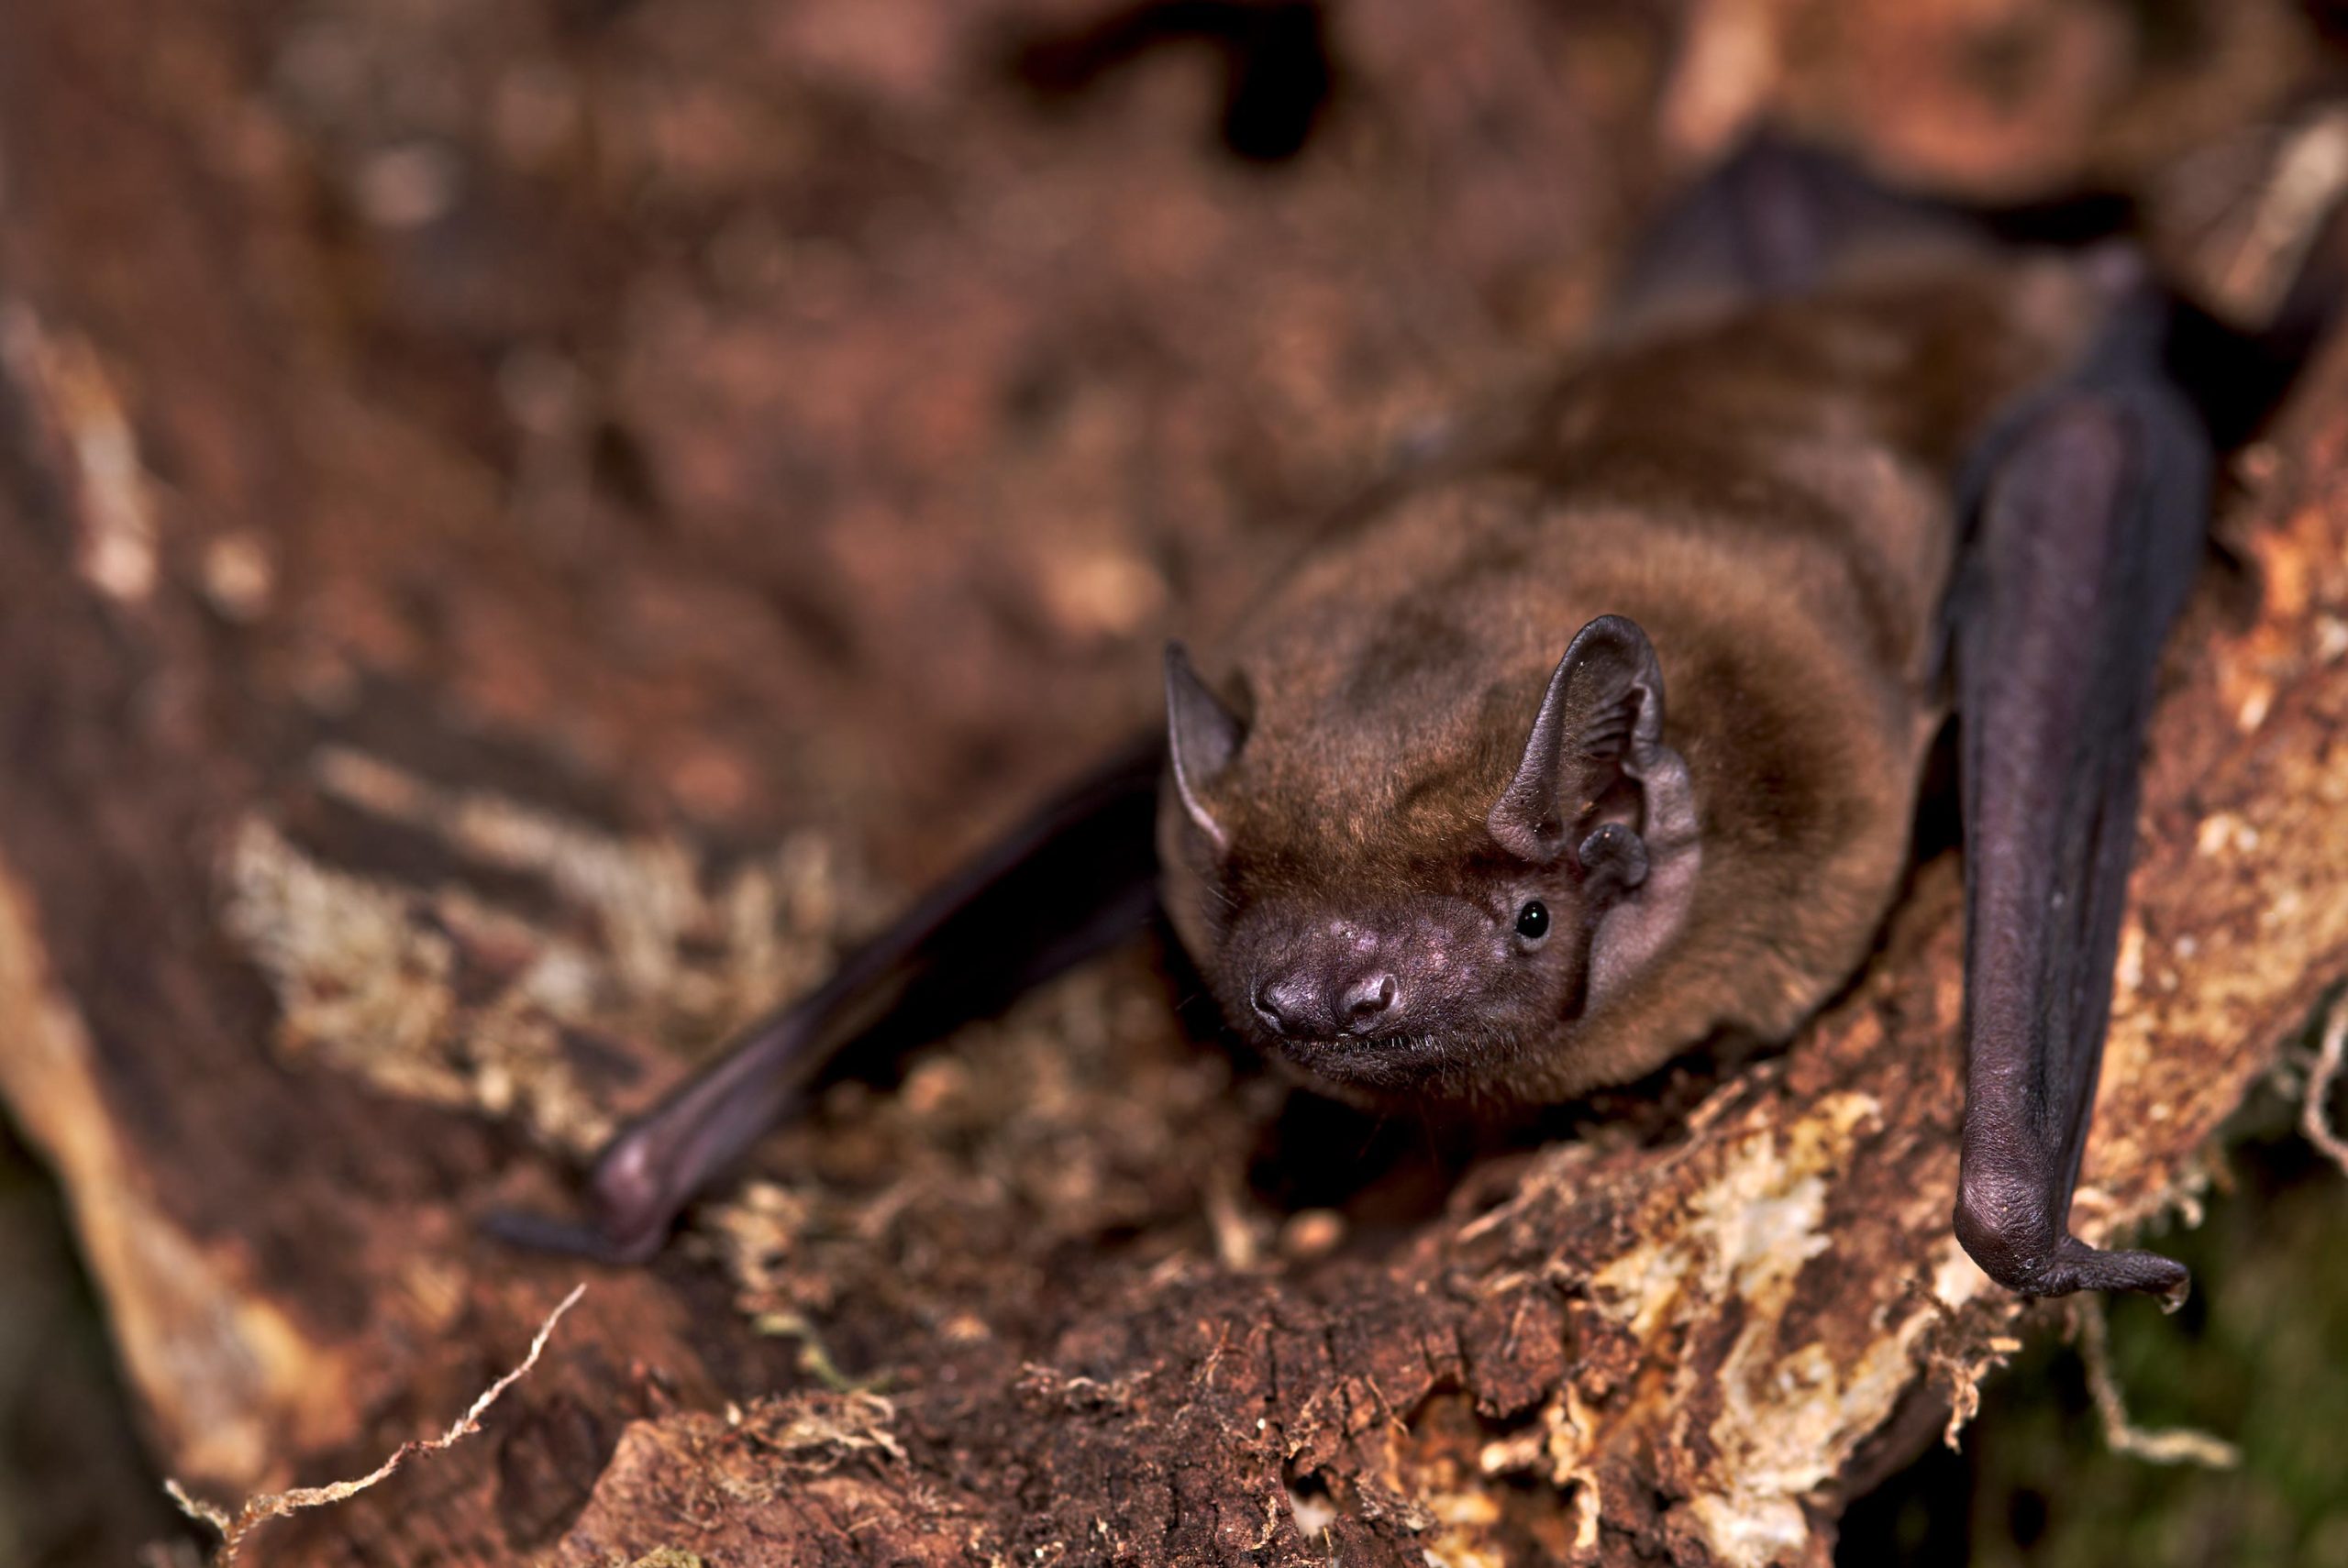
[(1532, 920)]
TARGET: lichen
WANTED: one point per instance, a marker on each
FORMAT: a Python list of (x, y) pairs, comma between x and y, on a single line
[(367, 971)]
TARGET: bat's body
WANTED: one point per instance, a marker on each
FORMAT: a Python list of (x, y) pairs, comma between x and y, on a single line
[(1768, 495), (1839, 466)]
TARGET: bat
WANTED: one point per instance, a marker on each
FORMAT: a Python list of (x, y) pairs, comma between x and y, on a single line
[(1604, 735)]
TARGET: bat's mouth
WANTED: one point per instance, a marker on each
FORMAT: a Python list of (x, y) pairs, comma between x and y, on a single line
[(1384, 1062)]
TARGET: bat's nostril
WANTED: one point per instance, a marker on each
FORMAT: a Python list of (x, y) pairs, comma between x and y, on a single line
[(1368, 996), (1285, 1004)]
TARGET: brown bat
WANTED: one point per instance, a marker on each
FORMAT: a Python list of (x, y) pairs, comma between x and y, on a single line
[(1842, 466)]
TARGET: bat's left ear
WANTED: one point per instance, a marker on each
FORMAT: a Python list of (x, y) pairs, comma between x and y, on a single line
[(1600, 724)]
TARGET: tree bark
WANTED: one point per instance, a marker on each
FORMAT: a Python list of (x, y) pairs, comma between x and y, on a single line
[(476, 485)]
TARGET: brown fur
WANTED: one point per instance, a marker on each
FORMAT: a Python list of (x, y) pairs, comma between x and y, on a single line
[(1767, 494)]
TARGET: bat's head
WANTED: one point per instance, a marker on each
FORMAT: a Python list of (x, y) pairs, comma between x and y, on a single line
[(1447, 933)]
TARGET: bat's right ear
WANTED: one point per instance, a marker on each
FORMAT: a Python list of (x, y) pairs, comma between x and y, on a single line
[(1201, 737), (1600, 720), (1600, 724)]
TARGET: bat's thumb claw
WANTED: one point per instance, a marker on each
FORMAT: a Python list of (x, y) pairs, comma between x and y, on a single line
[(546, 1234), (2078, 1267), (2022, 1244)]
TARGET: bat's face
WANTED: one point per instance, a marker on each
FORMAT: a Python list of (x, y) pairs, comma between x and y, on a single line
[(1444, 978), (1447, 945)]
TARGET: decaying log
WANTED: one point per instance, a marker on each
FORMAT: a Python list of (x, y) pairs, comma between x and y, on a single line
[(475, 492)]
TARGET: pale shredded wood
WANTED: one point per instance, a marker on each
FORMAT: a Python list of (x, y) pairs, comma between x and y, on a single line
[(2315, 1122), (2168, 1445), (260, 1509)]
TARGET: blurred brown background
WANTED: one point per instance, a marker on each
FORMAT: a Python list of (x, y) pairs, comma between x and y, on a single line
[(709, 419)]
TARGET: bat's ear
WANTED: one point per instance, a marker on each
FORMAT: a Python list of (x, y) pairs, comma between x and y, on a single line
[(1600, 724), (1601, 721), (1201, 737)]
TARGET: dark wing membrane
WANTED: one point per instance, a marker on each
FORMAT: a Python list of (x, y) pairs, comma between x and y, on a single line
[(2091, 515)]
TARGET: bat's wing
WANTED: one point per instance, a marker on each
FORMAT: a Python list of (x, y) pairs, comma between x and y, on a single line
[(1077, 877), (2087, 507), (1775, 219), (2088, 524)]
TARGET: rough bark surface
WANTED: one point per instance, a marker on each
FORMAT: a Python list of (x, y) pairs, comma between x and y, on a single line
[(519, 525)]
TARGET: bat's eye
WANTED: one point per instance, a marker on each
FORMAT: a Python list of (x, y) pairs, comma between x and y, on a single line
[(1532, 920)]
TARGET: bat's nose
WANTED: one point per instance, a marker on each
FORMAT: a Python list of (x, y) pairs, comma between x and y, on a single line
[(1299, 1004)]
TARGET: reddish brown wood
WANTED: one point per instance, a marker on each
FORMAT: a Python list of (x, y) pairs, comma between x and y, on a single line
[(475, 480)]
